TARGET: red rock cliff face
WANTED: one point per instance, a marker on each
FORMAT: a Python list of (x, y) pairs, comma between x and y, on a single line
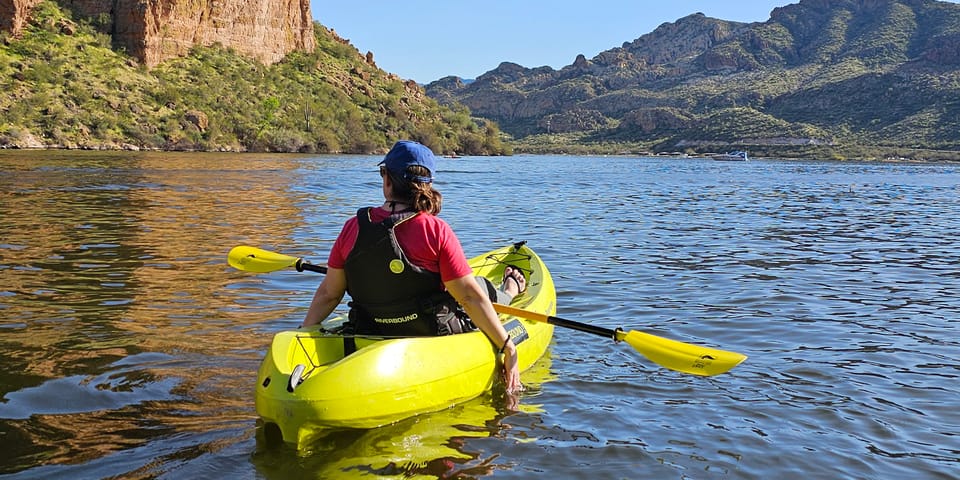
[(13, 14), (155, 30)]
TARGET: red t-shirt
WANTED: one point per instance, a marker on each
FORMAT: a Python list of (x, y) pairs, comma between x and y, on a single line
[(426, 239)]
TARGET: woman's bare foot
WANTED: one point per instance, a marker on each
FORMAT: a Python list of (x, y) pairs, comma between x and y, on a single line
[(514, 282)]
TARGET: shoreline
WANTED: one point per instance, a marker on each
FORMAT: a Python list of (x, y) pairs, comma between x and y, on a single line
[(132, 149)]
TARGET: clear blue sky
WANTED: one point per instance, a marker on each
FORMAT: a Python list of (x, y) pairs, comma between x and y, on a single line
[(427, 40)]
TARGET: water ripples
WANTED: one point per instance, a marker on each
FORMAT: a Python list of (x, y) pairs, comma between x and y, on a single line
[(838, 280)]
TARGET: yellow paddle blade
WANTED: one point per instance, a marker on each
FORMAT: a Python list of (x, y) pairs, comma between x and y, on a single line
[(682, 357), (679, 356), (252, 259)]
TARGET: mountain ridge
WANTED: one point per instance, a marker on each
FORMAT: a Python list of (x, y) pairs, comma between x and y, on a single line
[(803, 77)]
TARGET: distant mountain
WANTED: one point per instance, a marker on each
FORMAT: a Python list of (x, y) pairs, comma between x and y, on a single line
[(819, 72)]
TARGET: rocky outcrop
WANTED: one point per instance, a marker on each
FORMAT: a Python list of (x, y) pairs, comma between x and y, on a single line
[(682, 40), (13, 14), (155, 30)]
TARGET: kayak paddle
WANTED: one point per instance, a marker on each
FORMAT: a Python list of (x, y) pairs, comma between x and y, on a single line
[(672, 354), (252, 259)]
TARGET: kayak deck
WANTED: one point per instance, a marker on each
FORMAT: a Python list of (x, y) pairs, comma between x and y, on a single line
[(306, 384)]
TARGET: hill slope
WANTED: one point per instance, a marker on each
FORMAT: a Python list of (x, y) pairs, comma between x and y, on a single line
[(818, 73), (63, 86)]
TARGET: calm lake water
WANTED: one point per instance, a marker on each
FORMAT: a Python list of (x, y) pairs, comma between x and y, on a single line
[(130, 348)]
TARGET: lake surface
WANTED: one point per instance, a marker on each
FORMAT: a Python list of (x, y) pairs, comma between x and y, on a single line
[(130, 348)]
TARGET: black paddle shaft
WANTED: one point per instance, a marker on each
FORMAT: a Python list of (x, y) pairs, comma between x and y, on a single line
[(301, 266), (583, 327)]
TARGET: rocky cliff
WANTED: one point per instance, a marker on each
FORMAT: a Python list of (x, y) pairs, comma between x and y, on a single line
[(63, 85), (13, 14), (155, 30)]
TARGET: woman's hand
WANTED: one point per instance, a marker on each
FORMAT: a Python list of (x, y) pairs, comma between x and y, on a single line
[(511, 370)]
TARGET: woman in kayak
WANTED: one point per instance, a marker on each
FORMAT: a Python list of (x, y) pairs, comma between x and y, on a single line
[(405, 270)]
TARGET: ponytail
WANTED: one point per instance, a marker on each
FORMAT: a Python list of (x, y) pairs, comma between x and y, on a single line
[(421, 195)]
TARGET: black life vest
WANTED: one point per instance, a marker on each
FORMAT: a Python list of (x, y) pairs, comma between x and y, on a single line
[(390, 295)]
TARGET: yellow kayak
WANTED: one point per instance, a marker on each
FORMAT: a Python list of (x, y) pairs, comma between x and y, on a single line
[(306, 385)]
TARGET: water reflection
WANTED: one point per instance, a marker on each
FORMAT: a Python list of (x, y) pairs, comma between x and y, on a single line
[(439, 444), (115, 298)]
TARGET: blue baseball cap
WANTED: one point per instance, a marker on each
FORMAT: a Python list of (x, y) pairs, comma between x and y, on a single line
[(406, 153)]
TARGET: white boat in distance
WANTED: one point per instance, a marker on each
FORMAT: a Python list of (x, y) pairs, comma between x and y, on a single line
[(736, 156)]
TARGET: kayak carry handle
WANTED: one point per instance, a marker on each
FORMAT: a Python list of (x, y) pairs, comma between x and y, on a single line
[(296, 377)]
